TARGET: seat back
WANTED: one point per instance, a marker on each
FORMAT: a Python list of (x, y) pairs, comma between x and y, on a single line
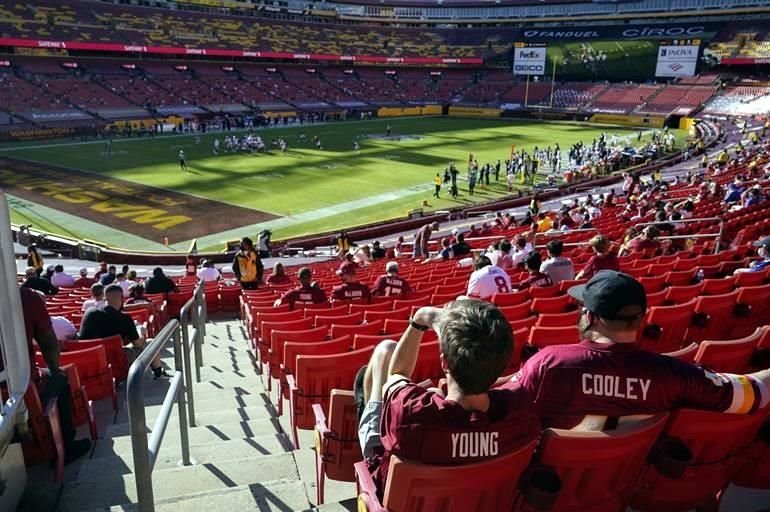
[(317, 375), (598, 469), (558, 319), (45, 443), (544, 292), (717, 286), (369, 340), (113, 347), (682, 294), (517, 311), (428, 364), (398, 314), (425, 488), (712, 317), (94, 370), (664, 327), (686, 354), (267, 329), (510, 299), (730, 356), (342, 449), (345, 319), (279, 338), (756, 300), (560, 304), (338, 330), (716, 442), (541, 337)]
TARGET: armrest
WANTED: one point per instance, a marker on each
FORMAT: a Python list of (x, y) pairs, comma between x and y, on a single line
[(292, 383), (367, 491), (320, 421), (51, 409)]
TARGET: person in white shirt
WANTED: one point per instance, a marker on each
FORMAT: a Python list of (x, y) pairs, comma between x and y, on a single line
[(520, 251), (502, 256), (208, 272), (61, 278), (124, 283), (487, 280), (63, 328), (97, 298), (558, 269)]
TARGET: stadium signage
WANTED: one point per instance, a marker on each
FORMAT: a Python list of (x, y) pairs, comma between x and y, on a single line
[(664, 32), (677, 58), (529, 58), (216, 52), (652, 31)]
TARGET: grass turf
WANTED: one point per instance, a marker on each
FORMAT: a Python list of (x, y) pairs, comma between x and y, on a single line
[(324, 190)]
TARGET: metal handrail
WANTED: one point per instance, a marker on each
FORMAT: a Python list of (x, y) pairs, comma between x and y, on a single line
[(13, 339), (718, 235), (195, 309)]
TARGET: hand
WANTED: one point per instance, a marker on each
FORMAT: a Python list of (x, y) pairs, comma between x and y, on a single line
[(428, 316)]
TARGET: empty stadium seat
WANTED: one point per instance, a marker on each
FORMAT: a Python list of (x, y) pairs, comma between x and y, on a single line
[(93, 369), (45, 444), (336, 440), (686, 354), (731, 356), (542, 337), (713, 317), (664, 327)]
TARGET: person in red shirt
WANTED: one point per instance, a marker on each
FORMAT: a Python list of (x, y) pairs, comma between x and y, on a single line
[(591, 384), (536, 278), (391, 284), (102, 270), (278, 276), (306, 293), (468, 424), (647, 242), (601, 260), (350, 289), (84, 281), (51, 382)]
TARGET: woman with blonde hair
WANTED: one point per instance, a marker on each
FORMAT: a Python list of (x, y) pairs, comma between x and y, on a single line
[(278, 276), (602, 259)]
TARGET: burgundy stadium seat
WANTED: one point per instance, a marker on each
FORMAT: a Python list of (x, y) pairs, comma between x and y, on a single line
[(664, 327), (731, 356), (686, 354), (337, 448), (713, 317)]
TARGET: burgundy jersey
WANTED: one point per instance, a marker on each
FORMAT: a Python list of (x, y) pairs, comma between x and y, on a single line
[(600, 262), (420, 425), (644, 245), (302, 295), (568, 382), (351, 291), (537, 279), (390, 286)]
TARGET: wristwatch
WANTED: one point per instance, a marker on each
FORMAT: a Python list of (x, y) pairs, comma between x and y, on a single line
[(417, 326)]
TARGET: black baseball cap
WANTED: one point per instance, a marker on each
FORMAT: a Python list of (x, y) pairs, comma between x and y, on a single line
[(609, 292), (764, 242)]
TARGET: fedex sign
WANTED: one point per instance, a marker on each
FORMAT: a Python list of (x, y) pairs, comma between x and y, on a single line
[(529, 59)]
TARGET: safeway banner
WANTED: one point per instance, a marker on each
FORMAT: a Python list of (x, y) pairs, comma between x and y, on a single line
[(677, 58), (529, 58)]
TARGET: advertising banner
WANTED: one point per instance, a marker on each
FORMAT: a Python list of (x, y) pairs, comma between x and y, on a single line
[(529, 58), (677, 58)]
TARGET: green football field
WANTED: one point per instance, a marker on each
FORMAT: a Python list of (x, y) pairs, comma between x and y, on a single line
[(309, 190)]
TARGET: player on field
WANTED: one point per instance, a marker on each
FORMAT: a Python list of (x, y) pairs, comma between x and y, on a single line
[(216, 146), (356, 147), (591, 384), (487, 280), (388, 131), (390, 284), (182, 162), (318, 145)]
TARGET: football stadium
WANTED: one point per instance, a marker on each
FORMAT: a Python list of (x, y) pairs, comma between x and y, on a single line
[(393, 255)]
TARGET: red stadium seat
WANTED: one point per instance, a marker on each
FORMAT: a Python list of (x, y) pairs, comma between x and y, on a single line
[(753, 306), (229, 298), (712, 317), (82, 413), (337, 448), (754, 470), (488, 485), (267, 328), (717, 286), (314, 379), (439, 299), (277, 341), (510, 299), (93, 369), (346, 319), (743, 279), (338, 330), (656, 299), (326, 309), (541, 337), (686, 354), (730, 356), (525, 323), (370, 340), (714, 443), (113, 347), (565, 285), (355, 307), (544, 292), (558, 319), (653, 284), (682, 294), (561, 304), (398, 314), (597, 470), (517, 311), (664, 327), (45, 444)]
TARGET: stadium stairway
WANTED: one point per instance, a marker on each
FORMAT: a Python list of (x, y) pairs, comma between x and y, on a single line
[(243, 456)]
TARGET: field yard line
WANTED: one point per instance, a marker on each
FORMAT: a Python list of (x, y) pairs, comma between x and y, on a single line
[(100, 232), (303, 217)]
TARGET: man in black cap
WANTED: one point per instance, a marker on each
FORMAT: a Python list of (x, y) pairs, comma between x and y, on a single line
[(590, 384), (763, 251)]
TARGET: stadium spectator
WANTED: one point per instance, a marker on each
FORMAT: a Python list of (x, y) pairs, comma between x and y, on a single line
[(544, 222), (159, 283), (34, 259), (100, 271), (209, 273), (49, 270), (557, 267), (487, 280), (763, 251), (247, 266), (64, 329), (343, 243), (602, 259), (350, 289), (363, 256), (61, 278), (34, 282), (84, 281), (278, 275), (108, 277), (390, 284), (645, 242), (123, 282), (460, 248), (421, 239), (444, 253), (398, 248), (51, 382), (190, 266), (306, 293), (136, 295), (501, 256), (109, 320), (378, 252), (588, 385), (399, 417), (97, 298), (520, 250), (536, 278)]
